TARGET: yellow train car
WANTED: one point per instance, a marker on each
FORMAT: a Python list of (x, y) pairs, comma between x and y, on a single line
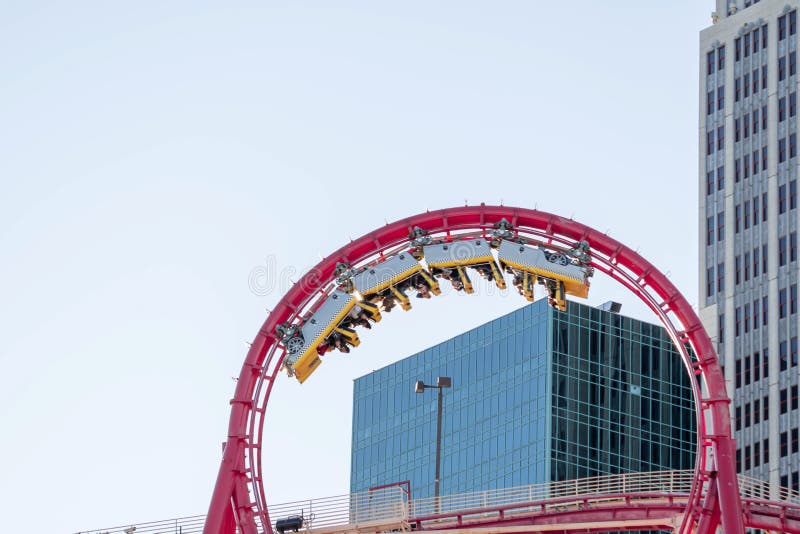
[(331, 324), (555, 270), (450, 259)]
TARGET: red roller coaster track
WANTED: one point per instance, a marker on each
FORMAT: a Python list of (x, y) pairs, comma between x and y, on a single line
[(239, 499)]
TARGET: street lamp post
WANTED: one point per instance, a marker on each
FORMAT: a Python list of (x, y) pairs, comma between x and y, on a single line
[(441, 383)]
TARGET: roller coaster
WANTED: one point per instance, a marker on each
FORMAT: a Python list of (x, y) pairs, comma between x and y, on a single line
[(374, 274)]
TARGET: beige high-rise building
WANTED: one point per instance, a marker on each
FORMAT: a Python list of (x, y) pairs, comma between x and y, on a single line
[(748, 165)]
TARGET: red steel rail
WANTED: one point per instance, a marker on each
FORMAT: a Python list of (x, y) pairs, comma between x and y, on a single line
[(239, 498)]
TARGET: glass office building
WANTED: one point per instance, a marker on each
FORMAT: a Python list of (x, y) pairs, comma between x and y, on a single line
[(537, 395)]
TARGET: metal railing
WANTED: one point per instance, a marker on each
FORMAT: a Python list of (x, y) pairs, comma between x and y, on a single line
[(181, 525), (753, 488), (672, 482), (383, 506), (390, 505)]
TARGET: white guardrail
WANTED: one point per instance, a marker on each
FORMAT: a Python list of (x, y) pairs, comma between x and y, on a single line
[(390, 506)]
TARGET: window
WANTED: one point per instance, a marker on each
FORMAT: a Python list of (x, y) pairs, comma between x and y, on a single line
[(793, 299), (755, 39), (784, 452), (737, 129), (782, 251), (737, 218), (794, 440), (737, 89), (781, 68), (746, 263), (793, 398), (764, 158), (737, 269), (737, 170), (738, 368), (720, 97), (764, 36), (755, 121), (764, 202), (755, 81), (792, 63), (747, 330), (721, 226), (764, 262), (721, 58), (784, 401), (792, 145), (709, 143), (793, 246), (737, 45), (755, 161), (746, 165), (782, 109), (755, 211), (792, 194), (746, 85), (792, 22), (793, 350), (792, 104), (710, 231), (720, 277), (782, 198), (764, 119), (764, 77), (781, 29), (738, 420), (746, 47), (764, 318), (766, 450), (765, 400), (746, 214), (721, 328), (782, 304), (720, 137), (757, 413), (781, 150), (756, 315), (756, 445), (711, 62), (720, 178), (710, 282)]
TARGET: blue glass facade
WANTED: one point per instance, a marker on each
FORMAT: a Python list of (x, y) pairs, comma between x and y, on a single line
[(537, 395)]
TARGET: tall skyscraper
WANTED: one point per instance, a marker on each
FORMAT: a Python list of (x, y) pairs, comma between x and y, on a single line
[(537, 395), (748, 224)]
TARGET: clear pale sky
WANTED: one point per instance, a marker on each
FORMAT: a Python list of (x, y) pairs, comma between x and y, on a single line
[(166, 168)]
